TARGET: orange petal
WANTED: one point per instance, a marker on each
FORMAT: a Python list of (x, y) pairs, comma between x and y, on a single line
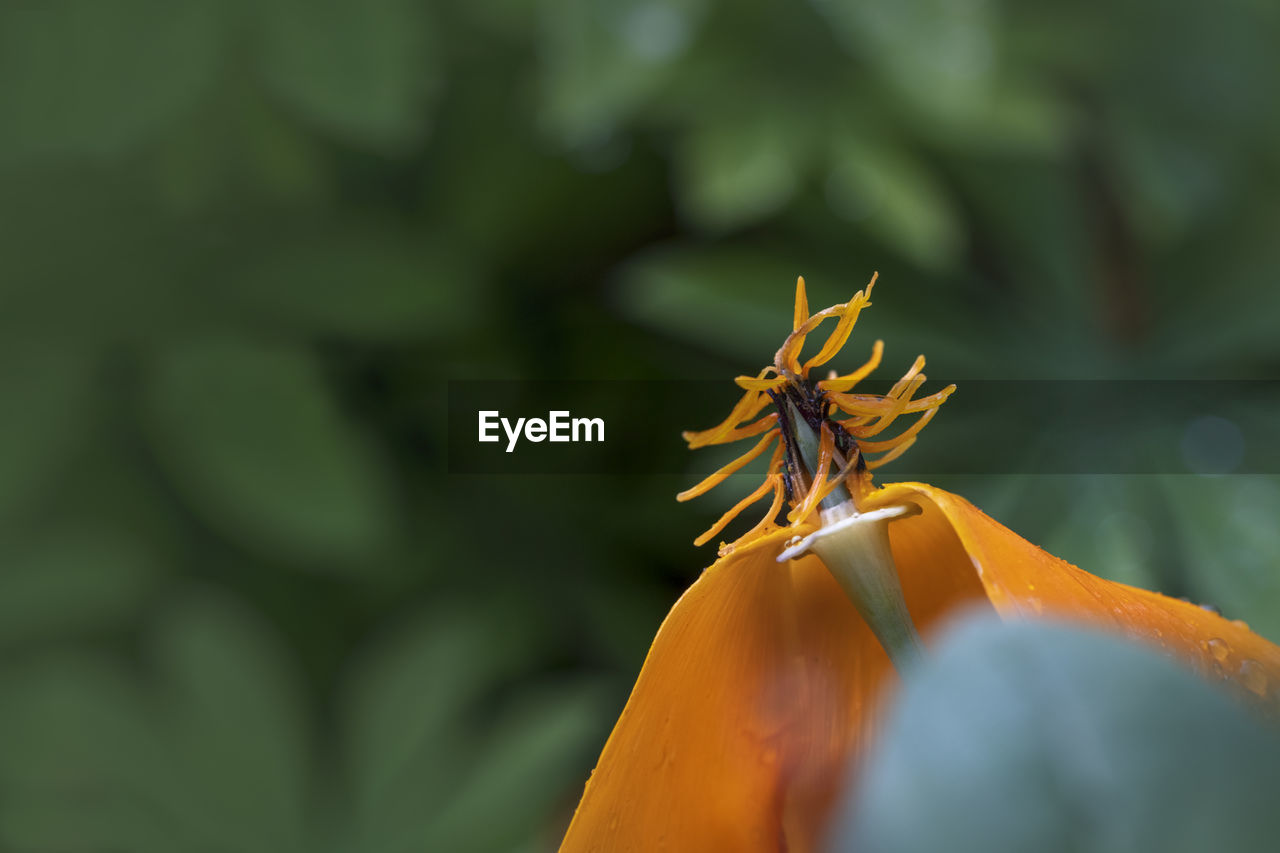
[(755, 692), (761, 686), (1023, 581), (763, 682)]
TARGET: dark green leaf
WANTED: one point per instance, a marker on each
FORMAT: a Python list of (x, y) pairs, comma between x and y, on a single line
[(76, 741), (251, 436), (362, 281), (84, 77), (46, 395), (737, 170), (365, 70), (75, 578), (234, 722)]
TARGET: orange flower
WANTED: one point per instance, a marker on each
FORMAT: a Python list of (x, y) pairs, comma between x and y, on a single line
[(766, 680)]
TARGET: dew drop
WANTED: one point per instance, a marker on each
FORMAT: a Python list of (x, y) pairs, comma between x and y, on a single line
[(1240, 623), (1253, 677), (1219, 649)]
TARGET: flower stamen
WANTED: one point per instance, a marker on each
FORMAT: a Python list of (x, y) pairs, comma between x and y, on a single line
[(771, 482), (811, 408), (721, 475)]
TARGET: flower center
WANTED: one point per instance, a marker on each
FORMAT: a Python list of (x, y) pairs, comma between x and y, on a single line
[(854, 546), (821, 430)]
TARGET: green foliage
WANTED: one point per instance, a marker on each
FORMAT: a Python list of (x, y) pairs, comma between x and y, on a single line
[(244, 604), (208, 744), (251, 436)]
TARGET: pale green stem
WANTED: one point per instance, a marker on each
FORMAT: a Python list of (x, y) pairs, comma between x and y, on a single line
[(857, 554), (855, 548)]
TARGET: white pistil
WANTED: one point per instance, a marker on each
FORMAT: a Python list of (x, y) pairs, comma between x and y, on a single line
[(855, 548), (836, 520)]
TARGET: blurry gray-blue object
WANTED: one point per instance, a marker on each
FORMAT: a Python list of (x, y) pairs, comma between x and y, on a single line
[(1033, 736)]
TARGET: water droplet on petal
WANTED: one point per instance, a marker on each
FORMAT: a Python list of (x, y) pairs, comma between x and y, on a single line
[(1219, 649), (1240, 623), (1253, 677)]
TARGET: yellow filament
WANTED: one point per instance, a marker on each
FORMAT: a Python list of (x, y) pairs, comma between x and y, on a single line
[(892, 454), (753, 428), (748, 407), (861, 404), (867, 407), (933, 401), (907, 434), (763, 525), (844, 383), (826, 451), (841, 334), (900, 405), (802, 304), (850, 423), (787, 358), (734, 511), (753, 384), (901, 384), (720, 476), (841, 476), (868, 415)]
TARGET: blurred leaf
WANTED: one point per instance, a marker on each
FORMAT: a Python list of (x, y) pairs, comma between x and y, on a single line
[(737, 171), (85, 256), (46, 395), (1229, 544), (1043, 737), (75, 740), (365, 70), (415, 737), (601, 61), (1167, 184), (1108, 525), (1017, 116), (525, 768), (938, 55), (85, 77), (213, 758), (236, 725), (890, 193), (747, 293), (75, 578), (1215, 318), (362, 281), (251, 437), (1042, 222), (404, 703), (241, 146)]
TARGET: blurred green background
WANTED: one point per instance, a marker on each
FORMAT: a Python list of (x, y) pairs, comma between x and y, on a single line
[(243, 605)]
